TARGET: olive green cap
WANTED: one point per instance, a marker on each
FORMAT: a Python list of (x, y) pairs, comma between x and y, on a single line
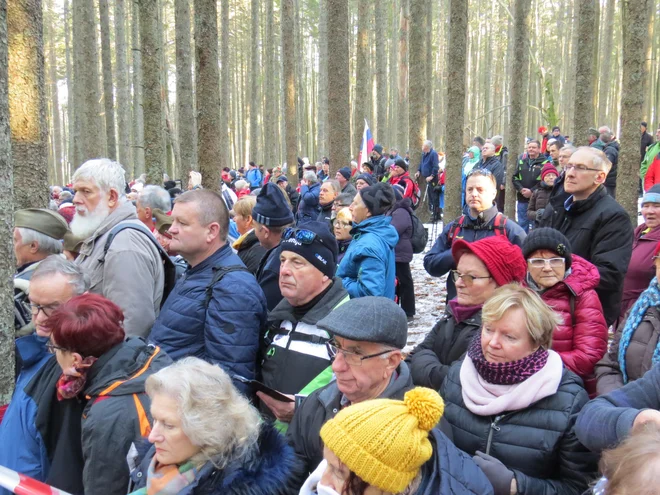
[(46, 222)]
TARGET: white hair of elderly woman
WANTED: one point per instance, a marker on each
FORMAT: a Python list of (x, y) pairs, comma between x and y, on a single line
[(105, 173), (214, 415)]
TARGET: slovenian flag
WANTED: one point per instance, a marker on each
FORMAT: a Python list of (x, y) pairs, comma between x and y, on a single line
[(367, 145)]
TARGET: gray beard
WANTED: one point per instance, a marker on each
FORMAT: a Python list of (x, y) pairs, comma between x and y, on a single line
[(84, 226)]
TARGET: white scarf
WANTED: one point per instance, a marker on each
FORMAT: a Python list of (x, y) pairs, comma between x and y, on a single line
[(487, 399), (313, 484)]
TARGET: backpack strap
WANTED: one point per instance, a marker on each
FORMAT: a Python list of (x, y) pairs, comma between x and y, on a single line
[(456, 228), (499, 225), (219, 273)]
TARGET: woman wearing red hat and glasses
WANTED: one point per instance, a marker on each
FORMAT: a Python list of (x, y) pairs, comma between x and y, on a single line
[(481, 267)]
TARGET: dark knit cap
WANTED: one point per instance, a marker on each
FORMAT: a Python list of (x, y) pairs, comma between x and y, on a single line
[(504, 261), (272, 209), (346, 172), (368, 178), (174, 192), (400, 162), (322, 254), (282, 178), (169, 184), (378, 198), (549, 168), (369, 165), (368, 319), (550, 239), (378, 149)]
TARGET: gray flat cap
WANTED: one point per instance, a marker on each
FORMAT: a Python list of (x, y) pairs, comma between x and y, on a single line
[(369, 319)]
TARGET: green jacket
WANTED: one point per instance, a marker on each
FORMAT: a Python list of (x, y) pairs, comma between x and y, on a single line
[(648, 159)]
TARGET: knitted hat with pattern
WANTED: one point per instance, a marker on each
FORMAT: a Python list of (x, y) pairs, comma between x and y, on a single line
[(383, 441), (504, 261)]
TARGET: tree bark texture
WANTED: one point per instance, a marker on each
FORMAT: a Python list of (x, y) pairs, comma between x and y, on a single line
[(339, 109), (108, 96), (518, 98), (606, 66), (381, 75), (89, 126), (72, 146), (138, 114), (322, 141), (27, 103), (270, 117), (123, 90), (55, 105), (456, 65), (7, 262), (363, 88), (288, 67), (584, 90), (225, 81), (255, 73), (184, 92), (417, 91), (208, 93), (635, 40), (402, 128)]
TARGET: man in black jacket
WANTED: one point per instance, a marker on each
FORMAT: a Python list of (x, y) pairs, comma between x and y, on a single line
[(491, 163), (610, 147), (598, 228), (378, 162), (527, 178)]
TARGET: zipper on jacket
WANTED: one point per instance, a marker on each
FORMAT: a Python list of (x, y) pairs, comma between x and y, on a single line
[(493, 427)]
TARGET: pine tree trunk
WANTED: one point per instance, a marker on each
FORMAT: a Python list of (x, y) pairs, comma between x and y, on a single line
[(362, 76), (54, 100), (635, 40), (72, 146), (322, 141), (518, 98), (27, 103), (254, 81), (606, 65), (138, 114), (270, 117), (428, 69), (381, 74), (417, 88), (123, 90), (288, 67), (584, 90), (456, 65), (184, 91), (208, 93), (223, 158), (339, 109), (108, 97), (7, 265), (402, 128)]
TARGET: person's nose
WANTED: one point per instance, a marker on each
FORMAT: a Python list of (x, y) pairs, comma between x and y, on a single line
[(155, 435), (77, 198), (339, 364), (495, 341)]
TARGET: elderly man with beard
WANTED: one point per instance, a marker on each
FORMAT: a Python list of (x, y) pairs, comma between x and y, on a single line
[(130, 273)]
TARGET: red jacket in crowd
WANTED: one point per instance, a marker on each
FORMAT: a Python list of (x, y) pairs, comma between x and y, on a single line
[(652, 176)]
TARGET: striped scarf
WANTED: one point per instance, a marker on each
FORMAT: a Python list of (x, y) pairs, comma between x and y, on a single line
[(649, 298)]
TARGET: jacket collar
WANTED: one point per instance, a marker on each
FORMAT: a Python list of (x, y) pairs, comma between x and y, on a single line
[(577, 207), (32, 349), (125, 211), (374, 222), (212, 260), (484, 217), (284, 311)]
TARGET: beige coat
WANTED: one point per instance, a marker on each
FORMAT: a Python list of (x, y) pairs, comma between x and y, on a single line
[(132, 275)]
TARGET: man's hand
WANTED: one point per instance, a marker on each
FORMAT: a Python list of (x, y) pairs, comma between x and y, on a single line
[(526, 192), (429, 178), (416, 175), (645, 417), (282, 410)]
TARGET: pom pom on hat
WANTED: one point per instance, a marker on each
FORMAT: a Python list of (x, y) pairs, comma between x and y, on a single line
[(423, 403)]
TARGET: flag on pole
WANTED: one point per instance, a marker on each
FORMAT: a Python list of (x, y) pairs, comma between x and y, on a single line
[(367, 145)]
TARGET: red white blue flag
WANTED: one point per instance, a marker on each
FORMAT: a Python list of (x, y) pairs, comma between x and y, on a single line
[(367, 145)]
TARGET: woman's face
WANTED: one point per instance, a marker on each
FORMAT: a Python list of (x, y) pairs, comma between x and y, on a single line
[(337, 473), (651, 214), (550, 273), (172, 445), (243, 224), (66, 359), (507, 339), (480, 289), (359, 209), (342, 227)]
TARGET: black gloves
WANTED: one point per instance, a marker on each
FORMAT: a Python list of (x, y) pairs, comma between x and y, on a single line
[(539, 214), (497, 473)]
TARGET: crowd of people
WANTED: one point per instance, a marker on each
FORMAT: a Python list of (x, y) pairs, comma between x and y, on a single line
[(252, 340)]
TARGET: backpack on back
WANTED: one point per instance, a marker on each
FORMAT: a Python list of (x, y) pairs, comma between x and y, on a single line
[(498, 226), (420, 236)]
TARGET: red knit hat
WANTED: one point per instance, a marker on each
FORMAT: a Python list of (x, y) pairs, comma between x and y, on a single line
[(549, 168), (504, 261)]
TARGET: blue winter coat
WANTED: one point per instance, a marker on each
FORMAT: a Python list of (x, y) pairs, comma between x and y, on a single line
[(227, 331), (22, 447), (368, 268), (429, 165), (308, 206), (254, 177)]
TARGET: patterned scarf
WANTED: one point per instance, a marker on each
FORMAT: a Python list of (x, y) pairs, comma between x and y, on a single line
[(649, 298), (509, 373), (167, 479), (69, 386)]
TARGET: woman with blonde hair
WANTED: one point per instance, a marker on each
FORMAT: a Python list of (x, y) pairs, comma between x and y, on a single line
[(247, 245), (194, 180), (207, 438), (342, 229)]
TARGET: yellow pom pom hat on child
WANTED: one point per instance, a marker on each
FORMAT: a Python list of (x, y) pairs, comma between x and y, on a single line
[(383, 441)]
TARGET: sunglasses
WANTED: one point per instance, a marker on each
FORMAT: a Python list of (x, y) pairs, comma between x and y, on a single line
[(303, 236)]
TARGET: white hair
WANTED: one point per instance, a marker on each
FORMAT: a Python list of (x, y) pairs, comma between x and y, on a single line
[(155, 197), (215, 416), (310, 177), (428, 143), (47, 245), (241, 184), (105, 173), (195, 178)]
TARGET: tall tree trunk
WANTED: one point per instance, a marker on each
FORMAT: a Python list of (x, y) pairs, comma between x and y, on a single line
[(584, 90), (108, 97), (417, 89), (138, 114), (606, 65), (223, 156), (518, 98), (635, 40), (362, 76), (123, 90), (323, 80), (208, 93), (270, 118), (254, 81), (402, 128), (339, 109), (456, 64), (428, 69), (7, 265), (27, 103), (184, 91), (381, 74), (288, 66), (72, 146), (54, 100)]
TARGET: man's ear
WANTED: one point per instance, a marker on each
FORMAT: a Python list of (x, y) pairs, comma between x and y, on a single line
[(34, 247), (113, 199), (214, 231)]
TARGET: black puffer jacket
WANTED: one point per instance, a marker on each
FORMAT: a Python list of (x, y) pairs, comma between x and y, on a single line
[(537, 443), (599, 231), (611, 150), (250, 251), (445, 344)]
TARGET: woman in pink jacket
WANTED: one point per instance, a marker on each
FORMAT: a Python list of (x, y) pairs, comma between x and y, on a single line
[(567, 284)]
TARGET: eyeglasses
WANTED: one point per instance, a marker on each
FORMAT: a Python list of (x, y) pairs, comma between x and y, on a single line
[(480, 171), (50, 347), (343, 224), (468, 280), (301, 235), (47, 310), (543, 262), (580, 168), (351, 358)]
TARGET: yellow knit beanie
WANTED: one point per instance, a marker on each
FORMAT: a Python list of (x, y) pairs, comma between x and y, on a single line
[(385, 441)]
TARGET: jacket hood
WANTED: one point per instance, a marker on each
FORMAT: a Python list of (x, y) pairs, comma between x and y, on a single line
[(379, 226), (32, 349), (284, 311), (404, 203), (583, 277), (126, 367)]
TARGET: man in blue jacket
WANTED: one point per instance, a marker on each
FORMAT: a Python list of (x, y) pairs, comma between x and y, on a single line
[(429, 168), (479, 220), (254, 176), (217, 309)]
